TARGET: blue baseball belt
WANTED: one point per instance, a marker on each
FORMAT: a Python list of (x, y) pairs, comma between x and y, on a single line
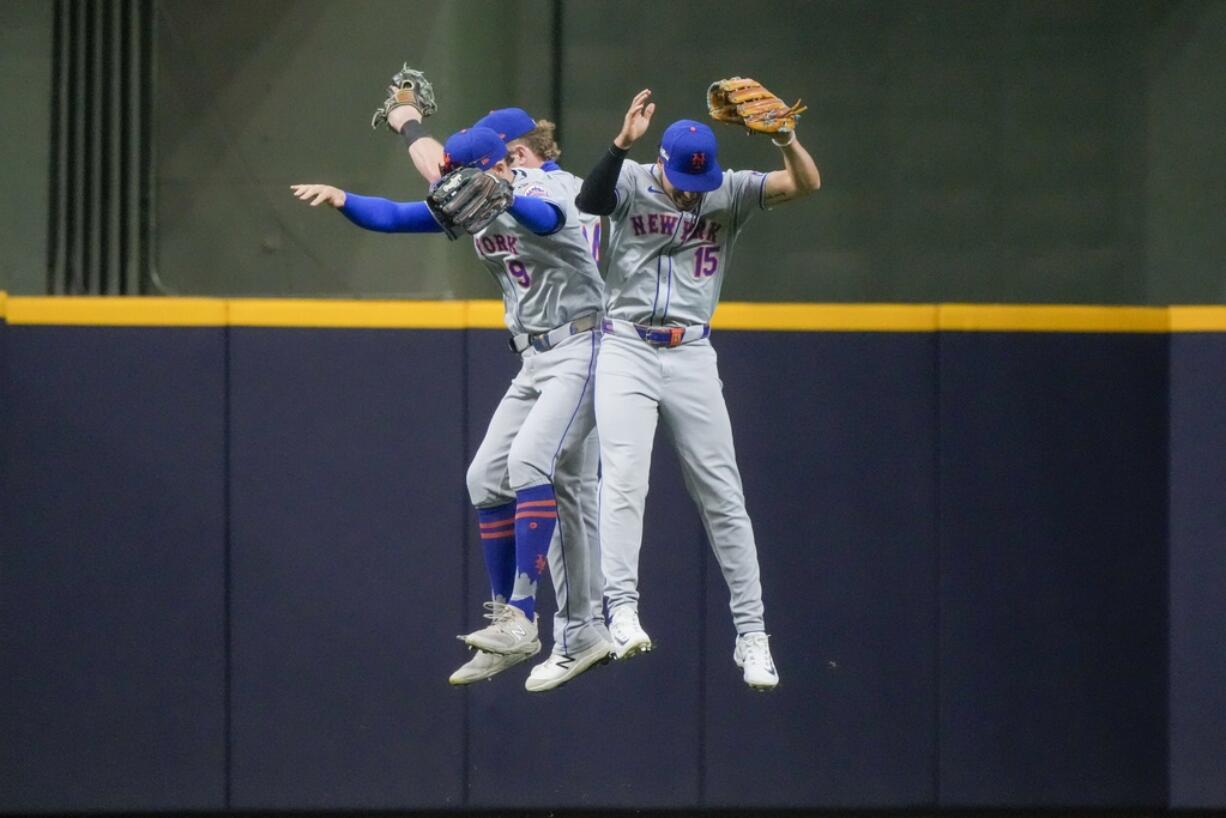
[(545, 341), (657, 336)]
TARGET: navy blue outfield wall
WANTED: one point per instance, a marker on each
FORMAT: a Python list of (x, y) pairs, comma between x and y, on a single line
[(1198, 570), (112, 576), (1052, 524), (346, 453), (234, 560)]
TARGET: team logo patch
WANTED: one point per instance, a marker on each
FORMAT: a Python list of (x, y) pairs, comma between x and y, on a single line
[(698, 161), (534, 190)]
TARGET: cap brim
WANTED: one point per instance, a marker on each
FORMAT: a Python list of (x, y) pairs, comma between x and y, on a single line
[(704, 182)]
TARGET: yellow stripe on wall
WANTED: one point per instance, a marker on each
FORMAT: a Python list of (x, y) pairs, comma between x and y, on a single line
[(117, 311), (294, 312), (825, 317), (485, 314), (1050, 318), (1198, 319)]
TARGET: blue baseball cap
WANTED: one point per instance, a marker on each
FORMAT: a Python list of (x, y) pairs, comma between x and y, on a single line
[(688, 153), (476, 147), (508, 123)]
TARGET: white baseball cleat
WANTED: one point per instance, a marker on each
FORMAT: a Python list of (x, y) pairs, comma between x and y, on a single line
[(509, 632), (487, 665), (559, 669), (753, 655), (629, 638)]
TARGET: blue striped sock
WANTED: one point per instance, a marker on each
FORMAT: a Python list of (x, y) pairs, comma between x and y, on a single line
[(498, 537), (536, 515)]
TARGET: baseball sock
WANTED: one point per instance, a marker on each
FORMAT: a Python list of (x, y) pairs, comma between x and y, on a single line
[(536, 514), (498, 537)]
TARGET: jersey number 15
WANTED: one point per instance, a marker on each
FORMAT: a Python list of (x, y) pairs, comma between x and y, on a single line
[(706, 261)]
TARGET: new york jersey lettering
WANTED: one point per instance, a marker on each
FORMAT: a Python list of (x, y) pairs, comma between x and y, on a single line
[(667, 265)]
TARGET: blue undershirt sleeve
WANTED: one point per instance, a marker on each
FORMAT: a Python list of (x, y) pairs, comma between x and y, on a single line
[(538, 215), (386, 216)]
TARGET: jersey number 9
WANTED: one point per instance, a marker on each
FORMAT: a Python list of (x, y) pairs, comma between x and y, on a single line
[(519, 272)]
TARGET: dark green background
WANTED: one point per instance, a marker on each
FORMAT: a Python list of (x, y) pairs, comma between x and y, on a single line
[(971, 151)]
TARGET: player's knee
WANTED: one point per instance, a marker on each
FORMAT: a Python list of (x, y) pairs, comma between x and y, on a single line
[(483, 485), (620, 496), (525, 470), (623, 459), (722, 508)]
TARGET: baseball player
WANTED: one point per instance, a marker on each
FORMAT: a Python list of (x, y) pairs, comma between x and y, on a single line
[(530, 144), (537, 252), (673, 225)]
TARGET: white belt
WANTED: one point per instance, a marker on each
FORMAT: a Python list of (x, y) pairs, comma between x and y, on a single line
[(545, 341)]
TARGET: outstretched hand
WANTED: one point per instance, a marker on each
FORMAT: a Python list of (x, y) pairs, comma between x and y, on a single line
[(400, 116), (320, 194), (638, 117)]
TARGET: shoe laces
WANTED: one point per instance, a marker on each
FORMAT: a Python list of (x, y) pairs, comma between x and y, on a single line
[(499, 613), (755, 647)]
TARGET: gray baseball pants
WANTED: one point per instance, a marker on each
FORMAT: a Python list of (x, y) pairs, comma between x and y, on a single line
[(636, 386)]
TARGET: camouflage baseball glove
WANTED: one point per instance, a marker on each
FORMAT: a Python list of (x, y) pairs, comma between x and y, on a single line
[(742, 101), (409, 87), (467, 200)]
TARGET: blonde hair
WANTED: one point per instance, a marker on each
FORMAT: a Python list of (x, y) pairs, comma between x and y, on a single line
[(541, 140)]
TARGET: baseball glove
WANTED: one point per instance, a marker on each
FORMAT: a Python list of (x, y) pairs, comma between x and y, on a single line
[(409, 87), (467, 200), (742, 101)]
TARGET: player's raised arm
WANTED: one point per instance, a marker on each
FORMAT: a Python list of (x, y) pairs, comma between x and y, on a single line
[(597, 193), (746, 102), (410, 99), (425, 151), (799, 176), (636, 121)]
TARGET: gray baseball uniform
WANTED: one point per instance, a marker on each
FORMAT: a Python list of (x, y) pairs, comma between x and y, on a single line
[(589, 484), (541, 431), (666, 270)]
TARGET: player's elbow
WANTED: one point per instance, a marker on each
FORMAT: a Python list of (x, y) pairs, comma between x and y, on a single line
[(593, 206), (795, 190), (808, 182)]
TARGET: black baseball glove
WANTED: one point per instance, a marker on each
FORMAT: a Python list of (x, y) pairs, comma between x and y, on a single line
[(467, 200)]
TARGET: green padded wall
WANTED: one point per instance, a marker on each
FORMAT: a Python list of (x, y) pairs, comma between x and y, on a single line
[(981, 151)]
